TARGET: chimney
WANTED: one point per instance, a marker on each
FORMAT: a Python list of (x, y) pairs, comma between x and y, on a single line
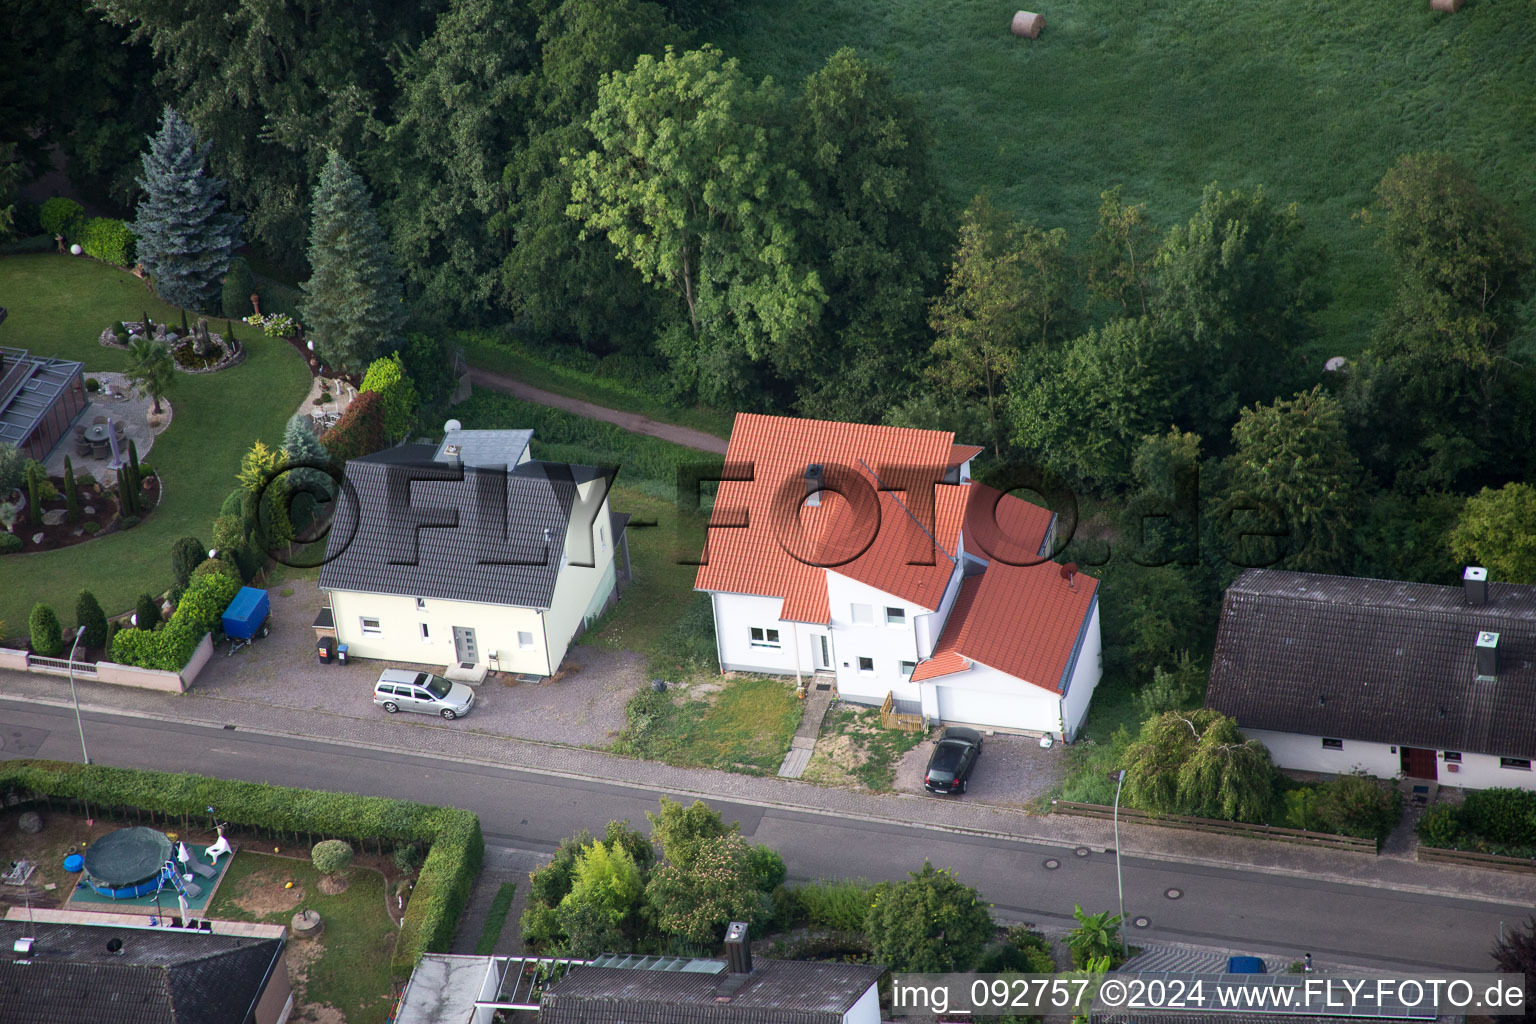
[(1474, 583), (738, 948), (1487, 656), (813, 479), (452, 451)]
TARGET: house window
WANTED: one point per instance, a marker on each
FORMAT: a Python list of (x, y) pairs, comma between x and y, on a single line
[(1519, 764), (1333, 744), (866, 664), (602, 538), (421, 604), (863, 615), (371, 627), (425, 634), (525, 640), (895, 616), (1453, 755), (764, 637), (907, 668)]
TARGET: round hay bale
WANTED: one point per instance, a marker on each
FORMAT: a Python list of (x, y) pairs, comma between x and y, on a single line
[(1446, 6), (1027, 24)]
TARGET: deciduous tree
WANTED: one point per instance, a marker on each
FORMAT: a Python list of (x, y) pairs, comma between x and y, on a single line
[(930, 923), (717, 886), (1120, 254), (1197, 763), (1497, 529)]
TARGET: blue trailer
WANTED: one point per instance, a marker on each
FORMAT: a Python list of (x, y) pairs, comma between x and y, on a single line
[(246, 618)]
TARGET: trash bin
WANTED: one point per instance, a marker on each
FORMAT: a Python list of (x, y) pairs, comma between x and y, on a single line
[(326, 650), (341, 654)]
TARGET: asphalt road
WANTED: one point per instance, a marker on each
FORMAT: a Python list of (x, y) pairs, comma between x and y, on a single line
[(1250, 911)]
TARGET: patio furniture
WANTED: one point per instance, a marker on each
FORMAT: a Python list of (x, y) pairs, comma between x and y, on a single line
[(99, 420), (97, 433), (83, 447), (100, 449)]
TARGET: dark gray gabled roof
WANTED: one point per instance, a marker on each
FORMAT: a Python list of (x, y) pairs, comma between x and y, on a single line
[(490, 449), (1376, 660), (160, 976), (29, 385), (412, 526), (776, 992)]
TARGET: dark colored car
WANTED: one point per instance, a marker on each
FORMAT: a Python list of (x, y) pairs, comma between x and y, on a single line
[(949, 769)]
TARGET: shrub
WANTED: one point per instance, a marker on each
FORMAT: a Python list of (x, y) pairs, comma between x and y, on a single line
[(407, 858), (768, 871), (1357, 805), (239, 285), (1301, 809), (1440, 826), (146, 612), (929, 924), (127, 522), (214, 566), (91, 619), (107, 239), (187, 554), (13, 468), (387, 378), (60, 216), (169, 648), (1505, 816), (331, 856), (442, 890), (10, 543), (842, 905), (1021, 950), (360, 431), (91, 383), (92, 528), (46, 633), (84, 480)]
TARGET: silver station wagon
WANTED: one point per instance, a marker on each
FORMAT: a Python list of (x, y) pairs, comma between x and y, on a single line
[(404, 690)]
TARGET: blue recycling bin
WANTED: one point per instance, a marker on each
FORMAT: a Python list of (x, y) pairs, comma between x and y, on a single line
[(341, 654)]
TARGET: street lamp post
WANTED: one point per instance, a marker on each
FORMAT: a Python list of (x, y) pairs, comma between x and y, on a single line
[(1119, 883), (84, 754)]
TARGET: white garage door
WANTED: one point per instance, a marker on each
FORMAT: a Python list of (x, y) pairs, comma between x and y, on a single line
[(979, 707)]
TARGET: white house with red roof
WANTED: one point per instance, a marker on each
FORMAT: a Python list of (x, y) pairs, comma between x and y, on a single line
[(867, 553)]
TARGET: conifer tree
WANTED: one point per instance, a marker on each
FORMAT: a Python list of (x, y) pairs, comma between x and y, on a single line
[(310, 485), (71, 495), (185, 233), (352, 305)]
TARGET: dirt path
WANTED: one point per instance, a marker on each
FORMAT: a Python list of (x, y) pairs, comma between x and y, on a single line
[(685, 436)]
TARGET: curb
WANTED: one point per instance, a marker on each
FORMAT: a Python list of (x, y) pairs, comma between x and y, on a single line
[(1056, 842)]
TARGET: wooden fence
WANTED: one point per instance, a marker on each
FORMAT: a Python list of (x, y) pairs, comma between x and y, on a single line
[(890, 718), (1471, 859), (1217, 827)]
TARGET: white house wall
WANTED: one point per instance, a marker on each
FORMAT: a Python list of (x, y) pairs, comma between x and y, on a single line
[(1085, 678), (736, 615), (931, 627), (985, 697), (887, 646), (400, 621), (578, 587), (866, 1010), (1307, 753), (1482, 771)]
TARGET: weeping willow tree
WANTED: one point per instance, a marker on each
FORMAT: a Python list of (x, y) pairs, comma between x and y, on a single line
[(1197, 763)]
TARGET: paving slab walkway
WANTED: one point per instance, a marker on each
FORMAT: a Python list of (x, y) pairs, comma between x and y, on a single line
[(460, 741), (812, 711), (685, 436)]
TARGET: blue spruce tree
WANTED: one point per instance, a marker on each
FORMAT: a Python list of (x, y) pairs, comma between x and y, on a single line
[(352, 307), (185, 234), (311, 487)]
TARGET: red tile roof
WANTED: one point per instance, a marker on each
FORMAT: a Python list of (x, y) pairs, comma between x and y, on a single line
[(960, 454), (1021, 620), (783, 551), (1001, 527)]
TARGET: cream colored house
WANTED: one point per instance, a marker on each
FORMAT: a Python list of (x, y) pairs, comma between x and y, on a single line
[(472, 556)]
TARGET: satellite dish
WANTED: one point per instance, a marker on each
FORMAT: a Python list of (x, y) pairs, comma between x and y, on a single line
[(1069, 571), (452, 425), (1335, 364)]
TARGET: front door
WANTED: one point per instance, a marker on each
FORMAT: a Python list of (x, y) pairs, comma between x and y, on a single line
[(1418, 764), (823, 652), (464, 646)]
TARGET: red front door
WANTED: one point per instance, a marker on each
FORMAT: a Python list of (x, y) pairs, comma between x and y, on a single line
[(1418, 764)]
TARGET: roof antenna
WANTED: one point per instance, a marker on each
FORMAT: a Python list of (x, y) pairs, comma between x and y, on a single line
[(1069, 573)]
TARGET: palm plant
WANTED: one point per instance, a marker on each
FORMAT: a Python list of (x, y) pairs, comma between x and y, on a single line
[(1096, 935), (152, 369)]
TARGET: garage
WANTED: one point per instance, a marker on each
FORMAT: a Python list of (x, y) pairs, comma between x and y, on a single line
[(996, 710)]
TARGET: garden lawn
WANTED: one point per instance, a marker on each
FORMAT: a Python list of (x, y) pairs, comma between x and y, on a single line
[(1315, 101), (351, 971), (746, 726), (59, 306)]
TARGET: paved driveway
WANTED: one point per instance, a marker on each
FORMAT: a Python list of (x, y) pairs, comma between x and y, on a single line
[(1013, 770), (584, 707)]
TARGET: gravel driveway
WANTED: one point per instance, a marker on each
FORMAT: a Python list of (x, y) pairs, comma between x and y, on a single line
[(583, 707), (1013, 770)]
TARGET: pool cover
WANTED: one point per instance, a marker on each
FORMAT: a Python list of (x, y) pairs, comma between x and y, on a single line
[(127, 856)]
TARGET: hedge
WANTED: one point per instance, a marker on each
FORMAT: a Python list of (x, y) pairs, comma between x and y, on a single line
[(107, 239), (442, 889), (60, 216), (170, 647)]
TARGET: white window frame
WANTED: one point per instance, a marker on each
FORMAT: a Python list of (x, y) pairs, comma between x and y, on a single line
[(863, 614), (762, 636), (866, 671), (374, 630), (1522, 764), (899, 620), (528, 646), (426, 634), (907, 668)]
